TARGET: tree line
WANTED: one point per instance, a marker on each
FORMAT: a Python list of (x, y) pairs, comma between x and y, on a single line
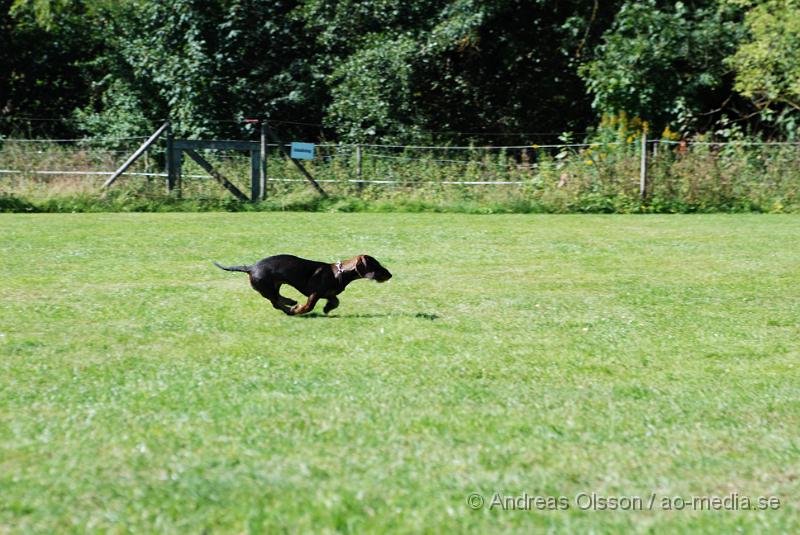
[(445, 71)]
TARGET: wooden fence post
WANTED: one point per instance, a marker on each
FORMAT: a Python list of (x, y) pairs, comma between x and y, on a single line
[(141, 150), (359, 184), (255, 176), (263, 174), (177, 162), (643, 168), (171, 157)]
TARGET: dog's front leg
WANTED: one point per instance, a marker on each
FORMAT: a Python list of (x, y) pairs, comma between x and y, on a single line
[(308, 306), (331, 304)]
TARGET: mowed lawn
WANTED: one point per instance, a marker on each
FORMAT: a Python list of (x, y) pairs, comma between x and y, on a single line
[(142, 389)]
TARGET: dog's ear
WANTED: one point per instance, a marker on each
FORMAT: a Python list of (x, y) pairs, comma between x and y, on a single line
[(364, 264)]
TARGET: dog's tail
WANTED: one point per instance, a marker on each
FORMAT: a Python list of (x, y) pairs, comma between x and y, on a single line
[(245, 269)]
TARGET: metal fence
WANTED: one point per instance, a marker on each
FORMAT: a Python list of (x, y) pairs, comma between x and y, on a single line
[(94, 161)]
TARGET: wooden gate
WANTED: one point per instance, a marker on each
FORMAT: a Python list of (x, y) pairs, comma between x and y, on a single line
[(258, 160)]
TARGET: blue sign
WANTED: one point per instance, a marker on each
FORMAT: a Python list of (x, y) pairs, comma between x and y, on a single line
[(302, 151)]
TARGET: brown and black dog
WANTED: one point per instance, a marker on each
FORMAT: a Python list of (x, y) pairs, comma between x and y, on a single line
[(315, 280)]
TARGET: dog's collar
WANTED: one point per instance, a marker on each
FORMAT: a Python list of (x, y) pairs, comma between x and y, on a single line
[(340, 275), (340, 271)]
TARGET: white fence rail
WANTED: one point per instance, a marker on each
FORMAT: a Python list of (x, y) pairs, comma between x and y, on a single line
[(387, 152)]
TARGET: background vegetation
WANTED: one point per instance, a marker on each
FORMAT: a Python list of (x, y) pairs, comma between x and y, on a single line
[(408, 70), (601, 178), (521, 73)]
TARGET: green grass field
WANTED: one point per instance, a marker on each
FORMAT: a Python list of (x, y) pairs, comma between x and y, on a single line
[(144, 390)]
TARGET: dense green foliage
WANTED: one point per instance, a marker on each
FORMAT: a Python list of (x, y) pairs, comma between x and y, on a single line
[(665, 63), (410, 70), (768, 65)]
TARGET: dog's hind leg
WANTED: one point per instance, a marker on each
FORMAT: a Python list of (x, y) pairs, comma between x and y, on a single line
[(277, 302), (269, 290), (285, 300)]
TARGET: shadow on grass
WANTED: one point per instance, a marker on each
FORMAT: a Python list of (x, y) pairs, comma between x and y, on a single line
[(418, 315)]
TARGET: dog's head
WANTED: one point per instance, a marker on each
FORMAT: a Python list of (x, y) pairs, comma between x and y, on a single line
[(369, 268)]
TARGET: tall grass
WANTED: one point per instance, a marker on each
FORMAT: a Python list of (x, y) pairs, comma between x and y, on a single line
[(599, 178)]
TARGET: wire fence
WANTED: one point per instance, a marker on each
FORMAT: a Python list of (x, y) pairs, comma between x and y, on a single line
[(692, 171)]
